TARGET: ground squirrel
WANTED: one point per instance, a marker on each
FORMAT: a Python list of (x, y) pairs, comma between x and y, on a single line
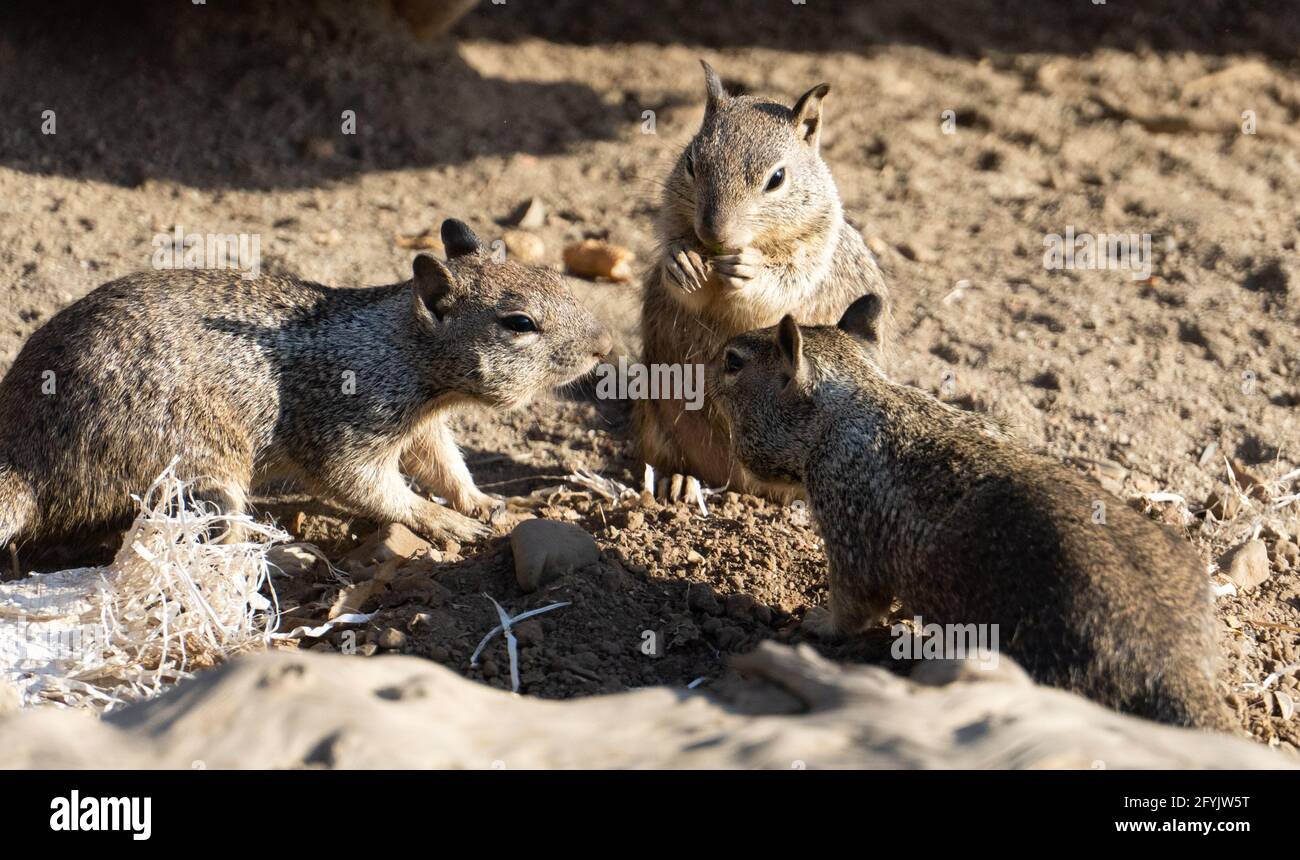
[(343, 388), (751, 229), (939, 507)]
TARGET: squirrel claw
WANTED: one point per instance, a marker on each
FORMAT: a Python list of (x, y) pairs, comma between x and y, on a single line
[(447, 524), (685, 267), (679, 488)]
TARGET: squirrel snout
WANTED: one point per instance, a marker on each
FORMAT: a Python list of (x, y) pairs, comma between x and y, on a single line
[(716, 232)]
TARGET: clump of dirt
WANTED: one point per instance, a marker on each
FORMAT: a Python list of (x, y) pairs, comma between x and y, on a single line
[(673, 592)]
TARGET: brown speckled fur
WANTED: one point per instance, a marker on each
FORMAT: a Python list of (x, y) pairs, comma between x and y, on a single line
[(245, 377), (941, 508), (814, 262)]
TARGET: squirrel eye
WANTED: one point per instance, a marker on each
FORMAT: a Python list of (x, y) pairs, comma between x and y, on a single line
[(519, 323), (690, 164), (733, 361), (777, 177)]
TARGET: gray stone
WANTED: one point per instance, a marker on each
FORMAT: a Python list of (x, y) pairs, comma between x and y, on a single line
[(545, 550)]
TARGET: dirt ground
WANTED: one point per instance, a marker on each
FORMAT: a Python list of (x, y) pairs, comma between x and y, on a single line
[(1100, 118)]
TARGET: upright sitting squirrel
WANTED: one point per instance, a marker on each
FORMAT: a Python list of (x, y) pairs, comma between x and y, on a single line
[(344, 388), (751, 229)]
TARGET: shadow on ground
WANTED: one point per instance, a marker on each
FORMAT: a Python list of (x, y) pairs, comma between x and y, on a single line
[(249, 97)]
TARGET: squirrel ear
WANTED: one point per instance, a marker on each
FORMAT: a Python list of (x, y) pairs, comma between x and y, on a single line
[(808, 113), (862, 319), (458, 239), (432, 288), (713, 84), (790, 342)]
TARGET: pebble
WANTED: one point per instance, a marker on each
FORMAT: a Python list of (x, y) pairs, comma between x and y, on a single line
[(292, 560), (524, 247), (530, 214), (1246, 566), (391, 541), (391, 639), (635, 520), (545, 550), (592, 258)]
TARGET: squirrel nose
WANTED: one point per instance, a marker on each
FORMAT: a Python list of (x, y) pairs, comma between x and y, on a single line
[(604, 344), (716, 233)]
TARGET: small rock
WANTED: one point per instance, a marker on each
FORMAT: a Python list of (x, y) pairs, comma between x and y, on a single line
[(525, 247), (352, 597), (390, 542), (1246, 566), (529, 215), (418, 620), (694, 557), (592, 258), (292, 560), (635, 520), (545, 550), (391, 639), (1287, 551)]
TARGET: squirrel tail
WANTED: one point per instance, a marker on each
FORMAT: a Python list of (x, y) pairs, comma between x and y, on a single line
[(1192, 700)]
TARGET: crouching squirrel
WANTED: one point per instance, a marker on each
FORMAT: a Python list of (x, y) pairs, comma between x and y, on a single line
[(941, 508), (342, 388)]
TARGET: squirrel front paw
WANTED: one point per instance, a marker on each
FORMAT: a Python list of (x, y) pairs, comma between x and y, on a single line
[(437, 523), (483, 506), (684, 267), (737, 270)]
